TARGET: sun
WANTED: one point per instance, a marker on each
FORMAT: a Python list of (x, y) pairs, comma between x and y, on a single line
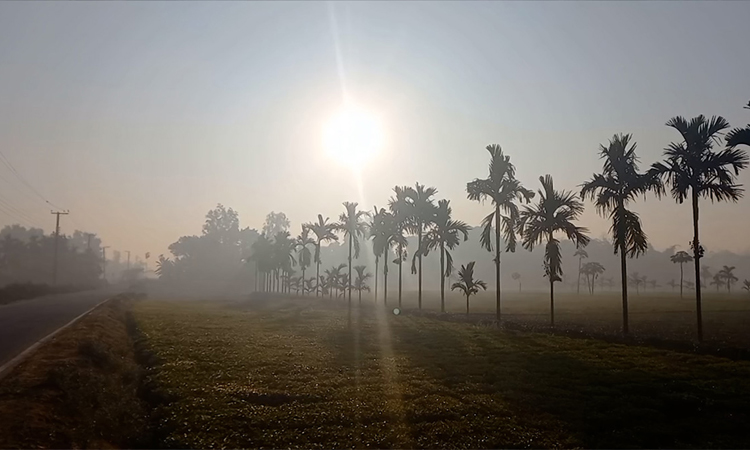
[(353, 136)]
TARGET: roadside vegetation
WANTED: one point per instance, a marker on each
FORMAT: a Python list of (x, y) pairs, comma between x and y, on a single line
[(81, 390)]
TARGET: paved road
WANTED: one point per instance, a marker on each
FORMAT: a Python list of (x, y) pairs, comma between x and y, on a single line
[(24, 322)]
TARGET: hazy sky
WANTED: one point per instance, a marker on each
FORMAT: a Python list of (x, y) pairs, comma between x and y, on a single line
[(139, 117)]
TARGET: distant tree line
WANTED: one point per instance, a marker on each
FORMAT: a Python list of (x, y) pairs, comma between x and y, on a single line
[(27, 256)]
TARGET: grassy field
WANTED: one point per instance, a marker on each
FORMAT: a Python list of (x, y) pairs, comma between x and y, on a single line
[(293, 373), (652, 314)]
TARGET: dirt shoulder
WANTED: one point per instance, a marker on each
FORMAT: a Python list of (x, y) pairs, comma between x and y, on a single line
[(80, 390)]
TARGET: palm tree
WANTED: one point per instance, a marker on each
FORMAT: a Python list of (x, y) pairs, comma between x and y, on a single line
[(353, 227), (654, 284), (443, 234), (467, 284), (323, 231), (746, 285), (636, 281), (672, 284), (717, 281), (400, 206), (384, 232), (333, 278), (705, 274), (554, 212), (592, 270), (694, 170), (304, 256), (581, 254), (739, 136), (681, 258), (503, 189), (726, 274), (262, 254), (377, 249), (360, 283), (612, 191), (517, 277), (283, 246), (422, 210)]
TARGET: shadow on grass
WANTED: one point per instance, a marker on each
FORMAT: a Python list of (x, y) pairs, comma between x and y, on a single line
[(602, 407)]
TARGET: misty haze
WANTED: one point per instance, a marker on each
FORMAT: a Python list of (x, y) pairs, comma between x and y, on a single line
[(374, 225)]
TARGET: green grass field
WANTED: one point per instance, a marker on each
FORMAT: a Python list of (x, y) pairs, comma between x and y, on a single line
[(652, 314), (293, 373)]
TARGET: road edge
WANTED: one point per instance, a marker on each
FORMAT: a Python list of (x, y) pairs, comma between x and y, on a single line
[(6, 368)]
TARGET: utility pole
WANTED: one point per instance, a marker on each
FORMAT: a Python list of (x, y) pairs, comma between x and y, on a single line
[(57, 238), (128, 252), (104, 262)]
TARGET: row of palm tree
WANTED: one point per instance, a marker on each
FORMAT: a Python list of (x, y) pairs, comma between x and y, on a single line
[(692, 170)]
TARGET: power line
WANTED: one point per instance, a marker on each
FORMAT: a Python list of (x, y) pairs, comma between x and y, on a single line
[(10, 166)]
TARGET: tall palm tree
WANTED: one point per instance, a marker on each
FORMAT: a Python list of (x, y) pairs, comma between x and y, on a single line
[(504, 190), (422, 210), (377, 249), (672, 284), (467, 284), (517, 277), (681, 258), (360, 283), (324, 232), (581, 254), (612, 191), (693, 170), (554, 212), (353, 226), (443, 235), (384, 232), (400, 206), (304, 256), (284, 245), (261, 254), (739, 136), (726, 273)]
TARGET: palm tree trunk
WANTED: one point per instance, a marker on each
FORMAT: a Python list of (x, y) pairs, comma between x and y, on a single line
[(552, 300), (681, 282), (697, 258), (377, 264), (400, 258), (442, 278), (360, 295), (317, 270), (551, 288), (349, 288), (467, 304), (385, 276), (497, 261), (303, 281), (419, 256), (623, 273), (580, 261)]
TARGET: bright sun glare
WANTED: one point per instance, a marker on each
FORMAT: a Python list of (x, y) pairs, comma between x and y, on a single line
[(353, 136)]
